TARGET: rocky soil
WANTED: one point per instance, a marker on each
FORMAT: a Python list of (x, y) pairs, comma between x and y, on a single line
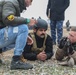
[(49, 67)]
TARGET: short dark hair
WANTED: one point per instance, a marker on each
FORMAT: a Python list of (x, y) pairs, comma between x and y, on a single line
[(73, 29)]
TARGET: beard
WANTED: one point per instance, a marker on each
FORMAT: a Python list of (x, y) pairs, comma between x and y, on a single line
[(42, 35)]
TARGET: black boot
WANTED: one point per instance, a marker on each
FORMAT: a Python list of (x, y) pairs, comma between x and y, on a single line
[(16, 63), (0, 56)]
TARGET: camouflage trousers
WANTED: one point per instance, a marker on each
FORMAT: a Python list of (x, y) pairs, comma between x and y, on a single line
[(56, 30)]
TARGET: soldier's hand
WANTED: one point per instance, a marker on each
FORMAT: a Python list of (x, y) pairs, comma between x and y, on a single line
[(32, 22), (42, 56), (29, 40), (62, 42)]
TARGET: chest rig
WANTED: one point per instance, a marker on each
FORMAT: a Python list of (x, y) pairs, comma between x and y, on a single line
[(34, 47)]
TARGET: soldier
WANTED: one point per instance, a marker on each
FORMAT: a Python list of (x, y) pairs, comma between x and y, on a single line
[(14, 29), (42, 47), (67, 48), (56, 13)]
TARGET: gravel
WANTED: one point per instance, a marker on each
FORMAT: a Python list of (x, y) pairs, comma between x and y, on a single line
[(49, 67)]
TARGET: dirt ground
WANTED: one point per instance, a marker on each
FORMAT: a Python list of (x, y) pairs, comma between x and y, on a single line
[(49, 67)]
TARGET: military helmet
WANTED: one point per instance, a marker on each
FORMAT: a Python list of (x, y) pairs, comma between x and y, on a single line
[(41, 24)]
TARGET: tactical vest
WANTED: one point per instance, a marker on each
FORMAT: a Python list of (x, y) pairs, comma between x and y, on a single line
[(34, 47)]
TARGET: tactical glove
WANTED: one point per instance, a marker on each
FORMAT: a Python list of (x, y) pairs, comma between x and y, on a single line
[(62, 42), (66, 45)]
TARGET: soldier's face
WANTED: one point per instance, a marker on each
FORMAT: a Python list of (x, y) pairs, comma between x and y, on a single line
[(41, 32), (28, 2), (72, 36)]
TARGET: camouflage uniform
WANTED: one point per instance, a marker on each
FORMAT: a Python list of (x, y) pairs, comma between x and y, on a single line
[(56, 27), (56, 9), (61, 53)]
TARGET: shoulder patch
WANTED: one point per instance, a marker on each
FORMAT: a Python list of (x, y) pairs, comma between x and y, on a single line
[(10, 17)]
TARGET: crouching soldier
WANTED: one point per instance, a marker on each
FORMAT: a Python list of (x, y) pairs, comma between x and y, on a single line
[(67, 48), (14, 30), (42, 47)]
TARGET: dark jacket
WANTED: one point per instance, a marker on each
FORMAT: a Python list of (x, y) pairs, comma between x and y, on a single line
[(11, 7), (57, 9), (30, 55)]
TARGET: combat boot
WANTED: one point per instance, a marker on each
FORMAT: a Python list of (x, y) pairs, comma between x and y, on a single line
[(16, 63)]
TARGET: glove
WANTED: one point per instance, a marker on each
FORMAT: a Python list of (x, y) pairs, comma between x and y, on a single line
[(62, 42), (66, 44)]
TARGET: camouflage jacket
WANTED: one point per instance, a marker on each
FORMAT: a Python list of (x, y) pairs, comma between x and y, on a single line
[(61, 53)]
